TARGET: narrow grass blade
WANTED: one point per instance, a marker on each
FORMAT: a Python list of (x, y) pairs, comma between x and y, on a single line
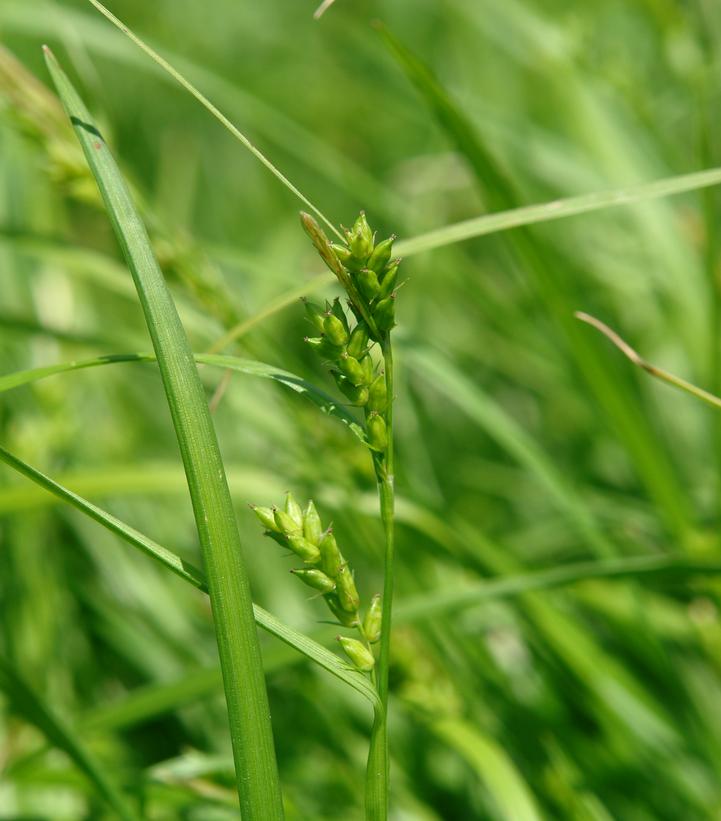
[(659, 373), (557, 209), (493, 766), (556, 285), (436, 603), (251, 367), (459, 390), (34, 710), (191, 574), (205, 102), (240, 659)]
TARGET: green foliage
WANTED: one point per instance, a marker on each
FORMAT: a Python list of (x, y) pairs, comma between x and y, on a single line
[(556, 636)]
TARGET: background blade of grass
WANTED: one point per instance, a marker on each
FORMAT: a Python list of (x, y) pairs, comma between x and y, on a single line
[(34, 710), (250, 367), (251, 732)]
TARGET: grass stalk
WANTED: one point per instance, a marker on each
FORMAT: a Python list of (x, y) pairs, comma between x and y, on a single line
[(378, 771), (228, 584)]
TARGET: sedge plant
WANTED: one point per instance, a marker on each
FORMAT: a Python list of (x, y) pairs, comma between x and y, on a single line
[(356, 344)]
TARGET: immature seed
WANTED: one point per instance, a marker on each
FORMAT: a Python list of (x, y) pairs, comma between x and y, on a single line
[(315, 578), (360, 240), (358, 340), (314, 313), (312, 528), (343, 254), (346, 590), (286, 524), (367, 364), (346, 619), (372, 620), (378, 394), (293, 509), (357, 394), (351, 368), (358, 653), (304, 549), (337, 309), (389, 279), (376, 432), (381, 254), (368, 284), (267, 519), (384, 313), (330, 558), (334, 330)]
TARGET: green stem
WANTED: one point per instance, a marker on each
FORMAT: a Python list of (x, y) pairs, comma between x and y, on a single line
[(378, 771)]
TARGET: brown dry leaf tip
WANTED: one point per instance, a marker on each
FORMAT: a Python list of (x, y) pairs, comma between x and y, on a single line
[(322, 9), (611, 335)]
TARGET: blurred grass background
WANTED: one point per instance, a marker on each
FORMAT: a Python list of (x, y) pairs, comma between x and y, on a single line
[(524, 441)]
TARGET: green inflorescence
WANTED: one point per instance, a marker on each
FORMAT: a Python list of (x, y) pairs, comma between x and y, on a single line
[(325, 570)]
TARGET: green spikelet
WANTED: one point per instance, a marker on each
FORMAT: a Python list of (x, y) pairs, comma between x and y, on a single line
[(286, 524), (376, 432), (358, 653), (368, 284), (388, 280), (316, 579), (312, 528), (381, 254), (351, 368), (294, 510), (372, 620), (346, 619), (378, 394), (384, 314), (335, 331), (331, 560), (346, 590), (266, 517), (314, 313), (358, 340), (304, 549)]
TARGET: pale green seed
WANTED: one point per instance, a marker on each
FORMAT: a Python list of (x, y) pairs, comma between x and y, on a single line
[(293, 509), (381, 254), (346, 590), (358, 340), (368, 284), (267, 519), (304, 549), (358, 653), (315, 578), (346, 619), (330, 557), (351, 368), (378, 394), (334, 330), (286, 523), (372, 620), (312, 528), (376, 432)]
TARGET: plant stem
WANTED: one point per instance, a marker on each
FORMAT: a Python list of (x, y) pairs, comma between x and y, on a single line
[(378, 771), (386, 494)]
